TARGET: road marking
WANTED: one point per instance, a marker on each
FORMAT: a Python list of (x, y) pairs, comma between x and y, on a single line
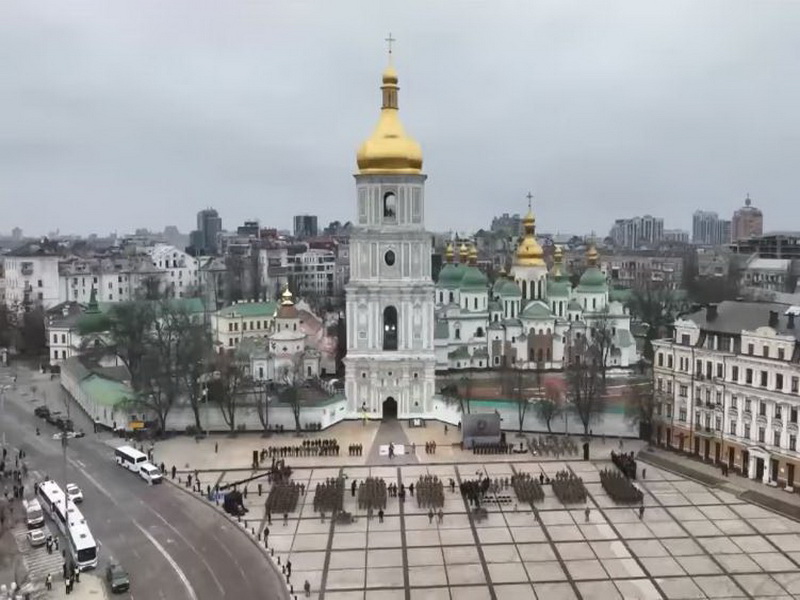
[(170, 560), (159, 547)]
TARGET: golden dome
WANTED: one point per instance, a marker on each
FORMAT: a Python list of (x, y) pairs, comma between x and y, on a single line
[(286, 297), (463, 253), (473, 254), (592, 255), (529, 252), (389, 150), (448, 254), (558, 257)]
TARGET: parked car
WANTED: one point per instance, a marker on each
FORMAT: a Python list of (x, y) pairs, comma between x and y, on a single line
[(118, 579), (74, 492), (42, 412), (53, 417), (37, 537)]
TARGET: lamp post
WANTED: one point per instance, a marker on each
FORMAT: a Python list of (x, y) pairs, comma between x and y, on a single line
[(3, 407)]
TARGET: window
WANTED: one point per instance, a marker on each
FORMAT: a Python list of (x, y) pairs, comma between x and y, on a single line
[(389, 258), (718, 423), (669, 386), (793, 443), (778, 411), (762, 408), (795, 384), (781, 354), (720, 372), (669, 361), (682, 415), (479, 332), (765, 351), (699, 367), (747, 431), (779, 381), (55, 338), (764, 378), (735, 374), (733, 427), (685, 339), (733, 402), (40, 283), (748, 376), (793, 415), (660, 384), (761, 435), (389, 206), (660, 359), (751, 349), (390, 328), (747, 405), (669, 411), (684, 391), (719, 397), (776, 438)]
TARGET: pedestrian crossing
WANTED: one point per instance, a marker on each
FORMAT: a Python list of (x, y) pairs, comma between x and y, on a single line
[(37, 560)]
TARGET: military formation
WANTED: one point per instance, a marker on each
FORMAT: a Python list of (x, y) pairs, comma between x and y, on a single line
[(527, 488), (329, 495), (625, 463), (569, 488), (493, 448), (551, 445), (430, 492), (372, 494), (620, 488), (327, 447), (283, 497), (474, 490)]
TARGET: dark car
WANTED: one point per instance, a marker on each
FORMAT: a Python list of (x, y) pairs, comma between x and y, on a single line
[(42, 412), (118, 579), (53, 417)]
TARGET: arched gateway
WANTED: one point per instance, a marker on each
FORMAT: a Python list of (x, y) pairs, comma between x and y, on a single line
[(389, 409)]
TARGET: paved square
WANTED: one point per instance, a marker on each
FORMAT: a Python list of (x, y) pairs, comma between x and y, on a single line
[(690, 542)]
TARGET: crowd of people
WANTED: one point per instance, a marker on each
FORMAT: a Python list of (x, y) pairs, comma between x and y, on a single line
[(474, 490), (430, 448), (620, 488), (320, 447), (551, 445), (625, 462), (283, 497), (372, 494), (329, 496), (430, 492), (500, 448), (355, 449), (569, 488), (528, 489)]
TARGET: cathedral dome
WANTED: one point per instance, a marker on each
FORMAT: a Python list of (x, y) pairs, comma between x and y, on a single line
[(529, 252), (389, 150), (592, 278), (474, 279)]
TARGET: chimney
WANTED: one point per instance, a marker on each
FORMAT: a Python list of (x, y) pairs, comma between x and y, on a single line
[(773, 318), (711, 312), (790, 321)]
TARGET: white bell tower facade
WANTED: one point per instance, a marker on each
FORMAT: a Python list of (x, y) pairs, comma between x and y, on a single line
[(390, 362)]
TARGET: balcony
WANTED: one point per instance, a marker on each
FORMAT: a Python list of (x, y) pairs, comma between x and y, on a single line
[(777, 424), (761, 420), (733, 412), (747, 415), (792, 428)]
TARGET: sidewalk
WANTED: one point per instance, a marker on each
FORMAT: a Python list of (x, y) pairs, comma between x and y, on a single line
[(775, 499), (91, 587)]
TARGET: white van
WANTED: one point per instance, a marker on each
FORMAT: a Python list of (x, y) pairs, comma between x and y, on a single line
[(34, 517), (149, 472)]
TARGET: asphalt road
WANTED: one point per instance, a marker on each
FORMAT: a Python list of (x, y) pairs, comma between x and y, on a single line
[(173, 546)]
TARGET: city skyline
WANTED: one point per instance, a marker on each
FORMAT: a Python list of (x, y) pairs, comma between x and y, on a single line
[(179, 113)]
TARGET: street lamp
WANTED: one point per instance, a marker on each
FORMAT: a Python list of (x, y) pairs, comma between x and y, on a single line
[(3, 407)]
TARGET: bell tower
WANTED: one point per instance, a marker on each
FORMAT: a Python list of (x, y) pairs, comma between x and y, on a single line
[(390, 362)]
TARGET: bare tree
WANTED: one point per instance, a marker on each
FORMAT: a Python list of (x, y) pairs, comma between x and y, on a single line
[(640, 406), (130, 325), (550, 405), (290, 382), (602, 340), (194, 362), (225, 389), (263, 392), (459, 393), (656, 306), (585, 388)]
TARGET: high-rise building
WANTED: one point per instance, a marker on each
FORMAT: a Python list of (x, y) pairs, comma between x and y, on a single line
[(205, 239), (390, 362), (305, 226), (637, 232), (709, 230), (747, 222)]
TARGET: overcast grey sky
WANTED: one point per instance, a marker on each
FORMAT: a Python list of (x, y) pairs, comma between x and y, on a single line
[(125, 114)]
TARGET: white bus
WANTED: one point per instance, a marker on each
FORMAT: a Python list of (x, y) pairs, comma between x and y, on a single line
[(70, 522), (34, 517), (130, 458)]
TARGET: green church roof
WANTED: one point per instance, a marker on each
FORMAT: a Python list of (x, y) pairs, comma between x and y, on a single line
[(451, 274), (474, 279), (592, 280), (536, 310), (249, 309), (510, 290), (558, 287)]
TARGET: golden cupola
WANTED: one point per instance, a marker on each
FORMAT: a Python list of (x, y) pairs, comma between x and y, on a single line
[(449, 253), (389, 151), (463, 253), (558, 258), (529, 252)]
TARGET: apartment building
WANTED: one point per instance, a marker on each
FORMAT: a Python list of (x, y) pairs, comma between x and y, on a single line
[(727, 386)]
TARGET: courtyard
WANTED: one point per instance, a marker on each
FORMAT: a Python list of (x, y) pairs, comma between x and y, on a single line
[(692, 541)]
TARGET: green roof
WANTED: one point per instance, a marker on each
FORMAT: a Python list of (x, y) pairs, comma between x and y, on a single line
[(558, 288), (249, 309), (495, 306), (474, 279), (106, 391), (592, 280), (574, 305), (450, 275), (536, 310), (460, 352), (510, 290)]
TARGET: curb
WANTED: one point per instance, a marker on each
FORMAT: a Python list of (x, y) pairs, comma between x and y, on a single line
[(254, 540)]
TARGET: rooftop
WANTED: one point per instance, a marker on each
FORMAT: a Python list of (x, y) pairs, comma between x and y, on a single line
[(733, 317)]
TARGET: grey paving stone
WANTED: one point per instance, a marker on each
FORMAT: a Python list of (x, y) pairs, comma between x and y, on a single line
[(585, 569), (662, 566), (647, 548), (698, 565), (554, 591), (466, 573), (519, 591), (575, 550), (773, 562), (719, 586), (638, 589), (759, 585), (507, 573), (544, 571), (680, 587), (598, 590), (619, 568)]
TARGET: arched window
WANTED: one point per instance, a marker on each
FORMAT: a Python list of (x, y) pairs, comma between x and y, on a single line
[(549, 358), (479, 332), (539, 355), (458, 333), (390, 328), (475, 303), (451, 296), (389, 206)]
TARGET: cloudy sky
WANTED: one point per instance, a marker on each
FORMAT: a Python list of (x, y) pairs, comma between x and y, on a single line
[(125, 114)]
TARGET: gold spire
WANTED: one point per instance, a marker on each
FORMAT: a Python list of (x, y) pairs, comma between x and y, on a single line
[(286, 297), (529, 252), (448, 254), (463, 253), (592, 255), (473, 254), (389, 150)]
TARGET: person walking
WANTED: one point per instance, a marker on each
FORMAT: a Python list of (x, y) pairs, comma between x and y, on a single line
[(586, 512), (380, 516), (641, 512), (48, 582), (440, 514), (288, 568), (307, 588), (430, 515)]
